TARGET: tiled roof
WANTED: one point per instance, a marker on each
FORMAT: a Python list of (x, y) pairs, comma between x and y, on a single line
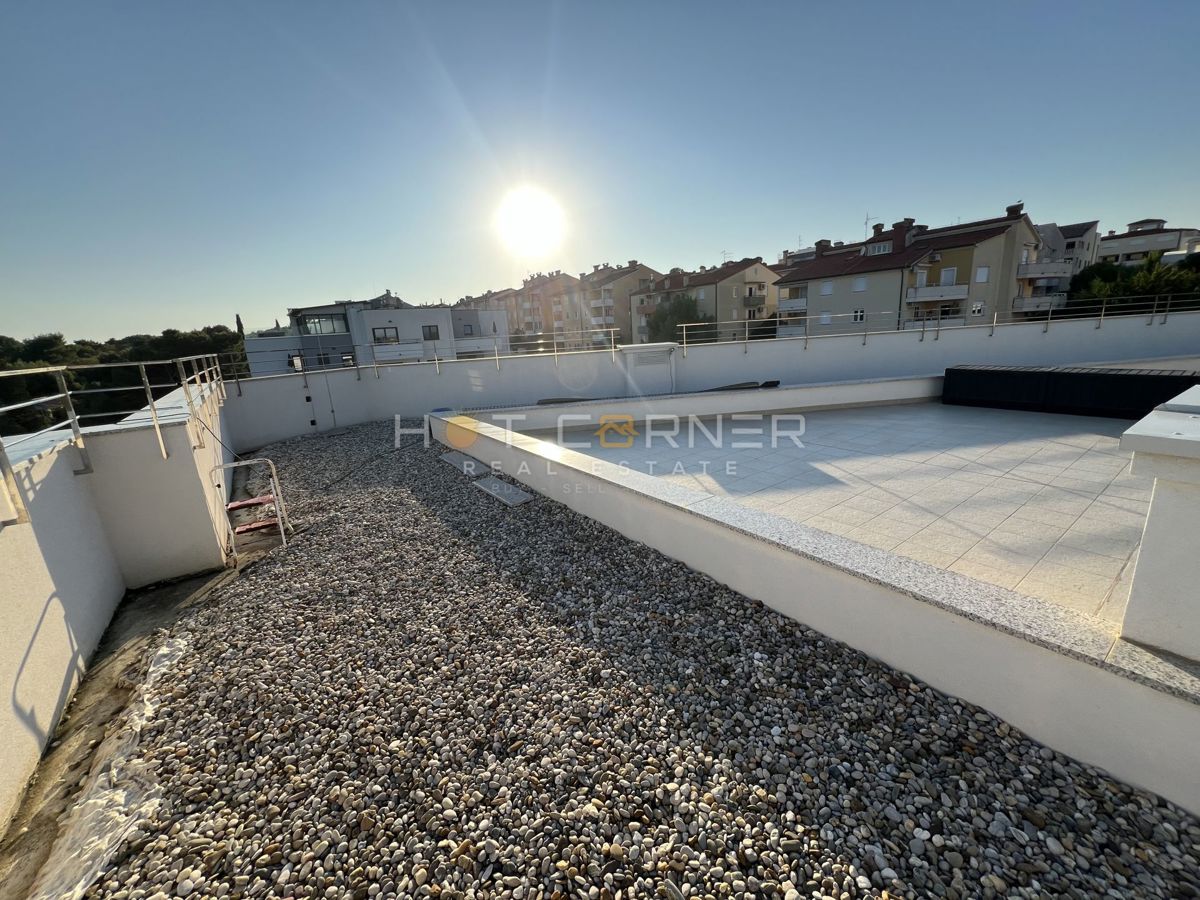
[(849, 260), (1142, 231)]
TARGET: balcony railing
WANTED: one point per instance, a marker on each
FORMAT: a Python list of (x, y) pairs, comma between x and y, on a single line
[(1045, 269), (1042, 302), (602, 320), (754, 301), (792, 304), (937, 292)]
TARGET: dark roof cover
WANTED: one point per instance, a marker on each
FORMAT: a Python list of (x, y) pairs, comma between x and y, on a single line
[(1079, 229)]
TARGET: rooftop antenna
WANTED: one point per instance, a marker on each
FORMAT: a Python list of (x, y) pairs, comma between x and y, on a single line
[(867, 225), (724, 256)]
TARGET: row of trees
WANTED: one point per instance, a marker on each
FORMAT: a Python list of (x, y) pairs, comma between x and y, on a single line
[(1104, 280), (663, 324), (54, 350)]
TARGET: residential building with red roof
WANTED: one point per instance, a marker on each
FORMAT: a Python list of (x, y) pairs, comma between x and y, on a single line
[(1146, 236), (913, 276), (734, 293)]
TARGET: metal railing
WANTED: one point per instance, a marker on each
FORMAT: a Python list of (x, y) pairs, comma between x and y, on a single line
[(198, 378), (254, 363), (817, 326)]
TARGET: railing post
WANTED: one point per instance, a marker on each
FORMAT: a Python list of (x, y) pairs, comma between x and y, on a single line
[(162, 447), (1153, 311), (437, 363), (684, 327), (937, 334), (237, 380), (187, 393), (995, 316), (1103, 309), (1166, 310), (612, 338), (70, 408), (866, 328), (554, 345), (746, 338), (20, 511), (496, 350), (1049, 314)]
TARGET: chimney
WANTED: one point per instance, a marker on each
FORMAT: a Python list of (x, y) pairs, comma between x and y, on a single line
[(900, 233), (1111, 232), (878, 229), (822, 246), (839, 243), (632, 263), (595, 267), (1014, 211), (582, 275)]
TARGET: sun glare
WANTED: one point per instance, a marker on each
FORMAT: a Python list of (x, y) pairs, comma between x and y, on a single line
[(530, 222)]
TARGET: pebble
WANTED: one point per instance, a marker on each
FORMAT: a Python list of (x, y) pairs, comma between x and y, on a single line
[(431, 694)]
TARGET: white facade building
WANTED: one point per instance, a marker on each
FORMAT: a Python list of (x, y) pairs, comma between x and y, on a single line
[(383, 329), (1144, 237)]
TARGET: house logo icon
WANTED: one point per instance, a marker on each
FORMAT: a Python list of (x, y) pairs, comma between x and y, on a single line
[(616, 431)]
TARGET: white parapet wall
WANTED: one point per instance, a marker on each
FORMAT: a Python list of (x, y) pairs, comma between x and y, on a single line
[(262, 410), (134, 520), (1051, 675), (1164, 600)]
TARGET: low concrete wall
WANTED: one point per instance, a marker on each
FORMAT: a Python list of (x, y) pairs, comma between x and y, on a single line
[(134, 520), (61, 582), (262, 410), (1142, 735)]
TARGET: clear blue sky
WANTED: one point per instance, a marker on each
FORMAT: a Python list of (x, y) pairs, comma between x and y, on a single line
[(170, 163)]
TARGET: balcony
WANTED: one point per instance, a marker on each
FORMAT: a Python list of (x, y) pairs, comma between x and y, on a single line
[(1040, 303), (602, 321), (1047, 269), (936, 292), (754, 301), (600, 304), (793, 305)]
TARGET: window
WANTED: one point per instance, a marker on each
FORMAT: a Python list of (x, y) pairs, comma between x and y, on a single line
[(826, 317), (385, 336), (982, 273), (860, 284), (826, 288), (922, 277), (468, 329), (321, 324), (860, 315), (700, 294), (879, 248), (1025, 256), (429, 333), (949, 276), (736, 289), (977, 309), (1070, 245)]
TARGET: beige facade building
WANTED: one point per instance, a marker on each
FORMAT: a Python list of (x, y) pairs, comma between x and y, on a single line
[(734, 294), (1144, 237), (597, 310), (912, 276)]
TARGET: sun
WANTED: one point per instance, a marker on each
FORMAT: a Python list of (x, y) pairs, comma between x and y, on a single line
[(530, 222)]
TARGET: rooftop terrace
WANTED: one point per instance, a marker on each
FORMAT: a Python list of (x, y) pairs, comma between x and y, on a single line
[(1043, 504), (430, 694)]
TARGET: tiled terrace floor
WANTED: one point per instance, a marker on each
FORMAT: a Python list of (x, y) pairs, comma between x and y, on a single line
[(1042, 504)]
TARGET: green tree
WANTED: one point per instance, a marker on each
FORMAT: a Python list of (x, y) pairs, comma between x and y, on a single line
[(664, 322)]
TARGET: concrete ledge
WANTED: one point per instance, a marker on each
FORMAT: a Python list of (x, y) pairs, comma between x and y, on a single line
[(1060, 676)]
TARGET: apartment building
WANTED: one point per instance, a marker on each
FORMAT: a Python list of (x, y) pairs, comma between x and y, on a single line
[(382, 329), (597, 309), (1144, 237), (1066, 250), (910, 276), (732, 293), (532, 304)]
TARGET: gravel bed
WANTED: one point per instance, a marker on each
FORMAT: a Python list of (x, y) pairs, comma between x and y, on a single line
[(430, 694)]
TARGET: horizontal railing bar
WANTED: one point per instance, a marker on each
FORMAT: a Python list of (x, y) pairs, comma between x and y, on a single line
[(131, 387), (65, 423), (25, 404)]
